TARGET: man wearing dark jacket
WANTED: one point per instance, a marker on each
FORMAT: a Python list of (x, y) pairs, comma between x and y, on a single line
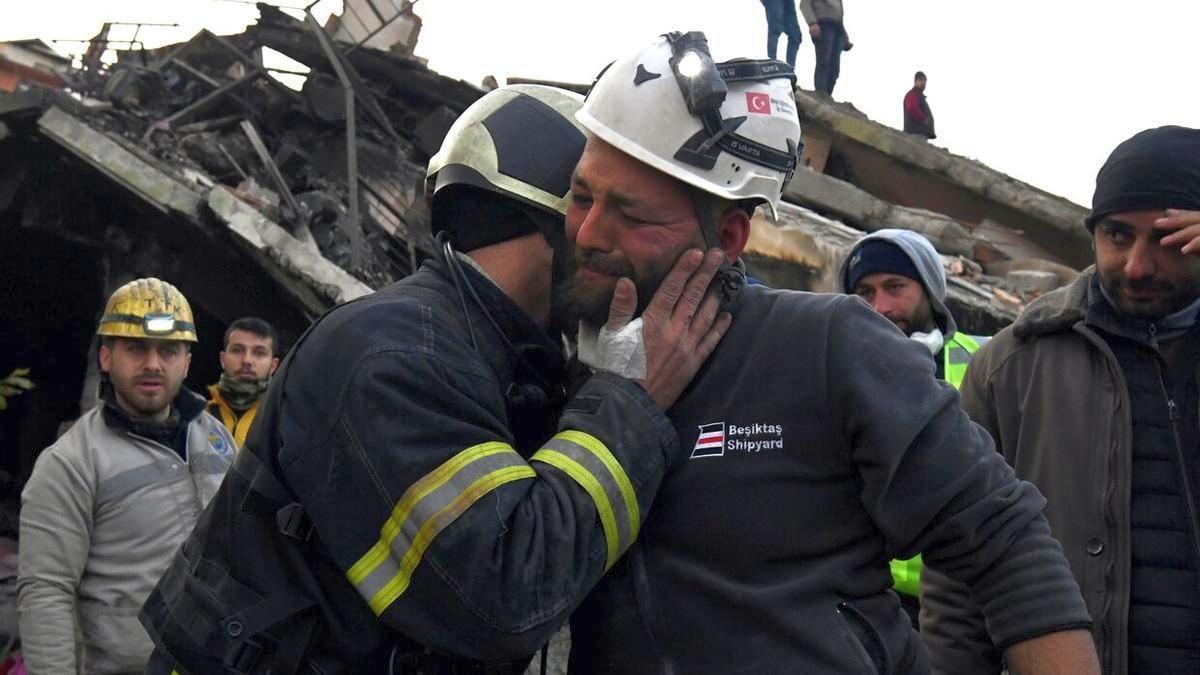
[(403, 503), (816, 444), (918, 118), (1092, 395)]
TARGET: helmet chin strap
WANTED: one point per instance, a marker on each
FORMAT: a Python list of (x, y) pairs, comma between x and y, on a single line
[(731, 276)]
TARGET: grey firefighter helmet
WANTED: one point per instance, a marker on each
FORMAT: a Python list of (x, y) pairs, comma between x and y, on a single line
[(504, 168)]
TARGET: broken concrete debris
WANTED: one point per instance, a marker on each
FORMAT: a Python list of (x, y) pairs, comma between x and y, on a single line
[(195, 163)]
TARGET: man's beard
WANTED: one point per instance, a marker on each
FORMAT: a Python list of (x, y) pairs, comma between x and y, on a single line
[(922, 320), (1168, 299), (138, 405), (575, 300)]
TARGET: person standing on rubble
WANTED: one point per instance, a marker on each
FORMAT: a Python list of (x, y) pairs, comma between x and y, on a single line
[(827, 28), (404, 503), (781, 20), (918, 118), (900, 274), (1092, 394), (109, 503), (815, 445), (248, 360)]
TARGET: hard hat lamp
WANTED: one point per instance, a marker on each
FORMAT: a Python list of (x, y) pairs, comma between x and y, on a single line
[(690, 64), (159, 324), (703, 88)]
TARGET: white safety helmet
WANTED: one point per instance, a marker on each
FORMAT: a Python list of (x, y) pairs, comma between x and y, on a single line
[(661, 107)]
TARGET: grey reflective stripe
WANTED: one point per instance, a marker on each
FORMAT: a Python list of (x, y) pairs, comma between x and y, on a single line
[(429, 506), (958, 355), (627, 524), (135, 479), (208, 463), (587, 461)]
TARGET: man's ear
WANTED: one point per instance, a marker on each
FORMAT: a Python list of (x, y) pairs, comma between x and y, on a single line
[(274, 366), (105, 356), (733, 231)]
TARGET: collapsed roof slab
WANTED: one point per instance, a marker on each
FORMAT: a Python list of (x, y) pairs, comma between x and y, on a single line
[(312, 282), (904, 169), (412, 79), (804, 250)]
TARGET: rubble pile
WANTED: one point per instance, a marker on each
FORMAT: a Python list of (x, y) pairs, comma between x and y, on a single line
[(195, 163), (213, 116)]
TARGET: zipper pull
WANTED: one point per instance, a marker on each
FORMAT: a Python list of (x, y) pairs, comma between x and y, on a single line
[(1172, 409), (1152, 330)]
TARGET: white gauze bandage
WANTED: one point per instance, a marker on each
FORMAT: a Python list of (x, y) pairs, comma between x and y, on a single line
[(622, 352)]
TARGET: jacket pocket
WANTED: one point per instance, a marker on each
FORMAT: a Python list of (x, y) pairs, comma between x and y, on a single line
[(863, 639), (114, 639)]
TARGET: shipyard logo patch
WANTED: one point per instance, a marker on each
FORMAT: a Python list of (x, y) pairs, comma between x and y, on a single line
[(218, 443), (758, 102), (711, 442), (716, 439)]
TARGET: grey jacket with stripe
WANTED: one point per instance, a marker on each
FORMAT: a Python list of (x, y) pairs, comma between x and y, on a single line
[(101, 518)]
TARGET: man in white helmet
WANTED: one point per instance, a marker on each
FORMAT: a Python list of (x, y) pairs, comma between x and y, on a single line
[(418, 493), (816, 444)]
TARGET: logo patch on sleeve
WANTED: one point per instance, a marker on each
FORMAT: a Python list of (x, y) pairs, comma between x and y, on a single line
[(218, 443)]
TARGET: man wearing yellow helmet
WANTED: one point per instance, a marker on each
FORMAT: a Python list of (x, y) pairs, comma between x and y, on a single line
[(110, 501)]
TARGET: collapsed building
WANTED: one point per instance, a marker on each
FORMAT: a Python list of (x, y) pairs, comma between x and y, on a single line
[(196, 164)]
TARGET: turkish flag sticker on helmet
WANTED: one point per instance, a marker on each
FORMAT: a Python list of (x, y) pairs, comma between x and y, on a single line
[(758, 102)]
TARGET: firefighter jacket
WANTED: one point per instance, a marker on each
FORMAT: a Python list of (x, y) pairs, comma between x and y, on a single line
[(238, 425), (446, 514), (101, 518), (815, 445)]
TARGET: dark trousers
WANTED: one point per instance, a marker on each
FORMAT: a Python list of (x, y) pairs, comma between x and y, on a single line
[(781, 19), (829, 55)]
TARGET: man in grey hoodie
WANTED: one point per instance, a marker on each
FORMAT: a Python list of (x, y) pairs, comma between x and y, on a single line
[(900, 274)]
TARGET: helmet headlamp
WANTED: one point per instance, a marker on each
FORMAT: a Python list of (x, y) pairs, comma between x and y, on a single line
[(703, 88), (159, 324)]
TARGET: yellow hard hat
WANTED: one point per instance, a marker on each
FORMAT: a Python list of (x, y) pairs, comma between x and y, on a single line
[(148, 308)]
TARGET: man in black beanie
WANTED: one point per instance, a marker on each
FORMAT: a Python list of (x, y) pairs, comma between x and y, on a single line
[(1092, 395)]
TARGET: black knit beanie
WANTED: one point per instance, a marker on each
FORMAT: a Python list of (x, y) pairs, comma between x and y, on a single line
[(875, 256), (1156, 169)]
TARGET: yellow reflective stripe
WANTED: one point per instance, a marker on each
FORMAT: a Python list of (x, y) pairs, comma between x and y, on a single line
[(432, 481), (608, 519), (435, 524), (602, 453)]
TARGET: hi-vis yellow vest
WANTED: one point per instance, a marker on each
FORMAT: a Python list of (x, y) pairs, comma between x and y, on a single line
[(956, 354)]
